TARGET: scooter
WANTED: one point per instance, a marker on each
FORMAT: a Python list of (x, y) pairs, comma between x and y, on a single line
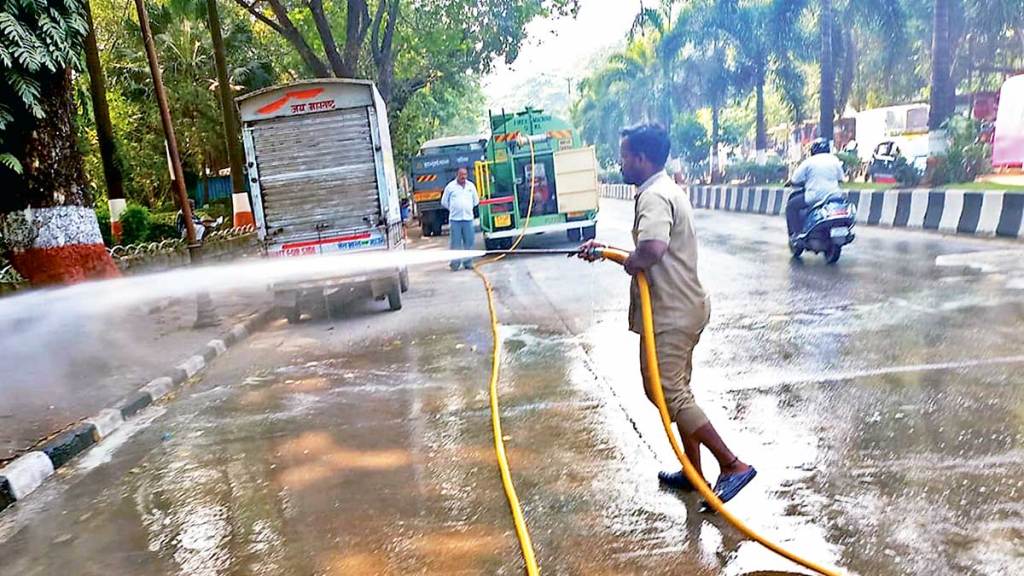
[(828, 226)]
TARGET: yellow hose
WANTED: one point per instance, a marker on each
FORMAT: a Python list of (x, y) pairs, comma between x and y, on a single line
[(695, 479), (522, 532)]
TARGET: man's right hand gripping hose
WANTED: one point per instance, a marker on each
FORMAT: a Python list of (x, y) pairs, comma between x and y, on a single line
[(594, 251)]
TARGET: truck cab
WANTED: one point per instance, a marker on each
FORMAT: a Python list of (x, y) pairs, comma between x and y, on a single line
[(434, 167)]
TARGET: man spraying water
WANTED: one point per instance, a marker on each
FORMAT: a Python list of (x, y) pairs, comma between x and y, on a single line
[(666, 251)]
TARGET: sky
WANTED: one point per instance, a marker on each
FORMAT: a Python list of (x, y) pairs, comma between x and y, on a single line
[(559, 48)]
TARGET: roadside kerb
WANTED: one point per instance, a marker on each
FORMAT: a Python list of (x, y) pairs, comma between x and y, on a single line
[(25, 473), (991, 213)]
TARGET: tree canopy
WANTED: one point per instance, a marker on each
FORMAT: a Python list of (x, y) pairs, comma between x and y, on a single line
[(761, 59)]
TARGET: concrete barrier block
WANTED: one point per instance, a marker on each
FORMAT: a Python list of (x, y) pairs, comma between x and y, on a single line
[(952, 210), (991, 212), (105, 423), (69, 444), (158, 388), (219, 347), (192, 366), (131, 405), (24, 474)]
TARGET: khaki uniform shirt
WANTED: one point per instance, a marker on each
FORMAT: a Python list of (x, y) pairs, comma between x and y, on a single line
[(678, 300)]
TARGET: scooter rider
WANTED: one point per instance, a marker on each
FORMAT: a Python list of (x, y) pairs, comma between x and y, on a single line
[(820, 176)]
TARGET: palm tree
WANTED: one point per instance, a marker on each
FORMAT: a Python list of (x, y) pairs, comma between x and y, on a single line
[(232, 133), (766, 40), (112, 173), (49, 232), (828, 96), (708, 68), (943, 91)]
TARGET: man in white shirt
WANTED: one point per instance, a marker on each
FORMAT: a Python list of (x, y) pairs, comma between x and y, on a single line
[(460, 197), (820, 176)]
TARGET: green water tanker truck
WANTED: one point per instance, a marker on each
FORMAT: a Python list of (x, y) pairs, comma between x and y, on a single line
[(532, 152)]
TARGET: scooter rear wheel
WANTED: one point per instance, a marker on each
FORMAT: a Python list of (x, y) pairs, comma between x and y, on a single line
[(796, 249), (833, 253)]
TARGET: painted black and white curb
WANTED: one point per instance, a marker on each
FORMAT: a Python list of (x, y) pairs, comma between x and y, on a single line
[(26, 472), (979, 213)]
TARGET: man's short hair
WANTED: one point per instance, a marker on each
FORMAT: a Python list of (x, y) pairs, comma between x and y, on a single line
[(649, 140)]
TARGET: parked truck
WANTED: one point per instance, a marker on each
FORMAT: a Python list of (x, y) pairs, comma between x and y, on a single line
[(323, 181), (534, 152), (434, 167)]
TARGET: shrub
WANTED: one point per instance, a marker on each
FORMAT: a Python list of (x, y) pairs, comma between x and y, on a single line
[(905, 173), (850, 160), (103, 219), (135, 224), (754, 173), (967, 157)]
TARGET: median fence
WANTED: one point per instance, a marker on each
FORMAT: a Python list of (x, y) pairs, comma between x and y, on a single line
[(980, 213)]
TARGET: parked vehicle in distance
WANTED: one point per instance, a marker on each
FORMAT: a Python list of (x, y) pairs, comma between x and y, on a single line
[(434, 167), (534, 154)]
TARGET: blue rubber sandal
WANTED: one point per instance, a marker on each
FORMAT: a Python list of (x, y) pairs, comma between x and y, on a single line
[(728, 487), (676, 480)]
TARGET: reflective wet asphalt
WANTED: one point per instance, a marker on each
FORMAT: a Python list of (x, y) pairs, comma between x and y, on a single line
[(880, 399)]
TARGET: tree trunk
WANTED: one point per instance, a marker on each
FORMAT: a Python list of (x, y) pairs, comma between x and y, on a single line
[(826, 128), (112, 174), (761, 136), (715, 129), (941, 105), (232, 133), (339, 67), (47, 229), (848, 71)]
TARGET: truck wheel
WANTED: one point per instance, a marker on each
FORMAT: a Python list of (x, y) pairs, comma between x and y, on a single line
[(590, 232), (292, 314), (427, 224), (403, 280), (395, 299), (574, 234)]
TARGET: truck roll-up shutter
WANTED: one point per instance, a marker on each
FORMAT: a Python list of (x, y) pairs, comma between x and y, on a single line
[(317, 174)]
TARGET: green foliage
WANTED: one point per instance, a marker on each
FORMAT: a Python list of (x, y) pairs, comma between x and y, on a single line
[(967, 157), (851, 161), (102, 209), (37, 38), (11, 163), (690, 140), (185, 50), (135, 224), (754, 173)]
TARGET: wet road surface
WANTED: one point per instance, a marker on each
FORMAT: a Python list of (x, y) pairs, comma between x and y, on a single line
[(881, 401)]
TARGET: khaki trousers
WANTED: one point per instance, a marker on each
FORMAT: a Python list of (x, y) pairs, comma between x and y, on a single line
[(675, 365)]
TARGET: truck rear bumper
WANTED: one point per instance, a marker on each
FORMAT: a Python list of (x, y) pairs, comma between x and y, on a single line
[(560, 227)]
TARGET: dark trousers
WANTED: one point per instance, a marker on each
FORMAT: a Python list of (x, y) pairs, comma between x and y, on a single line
[(795, 212)]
